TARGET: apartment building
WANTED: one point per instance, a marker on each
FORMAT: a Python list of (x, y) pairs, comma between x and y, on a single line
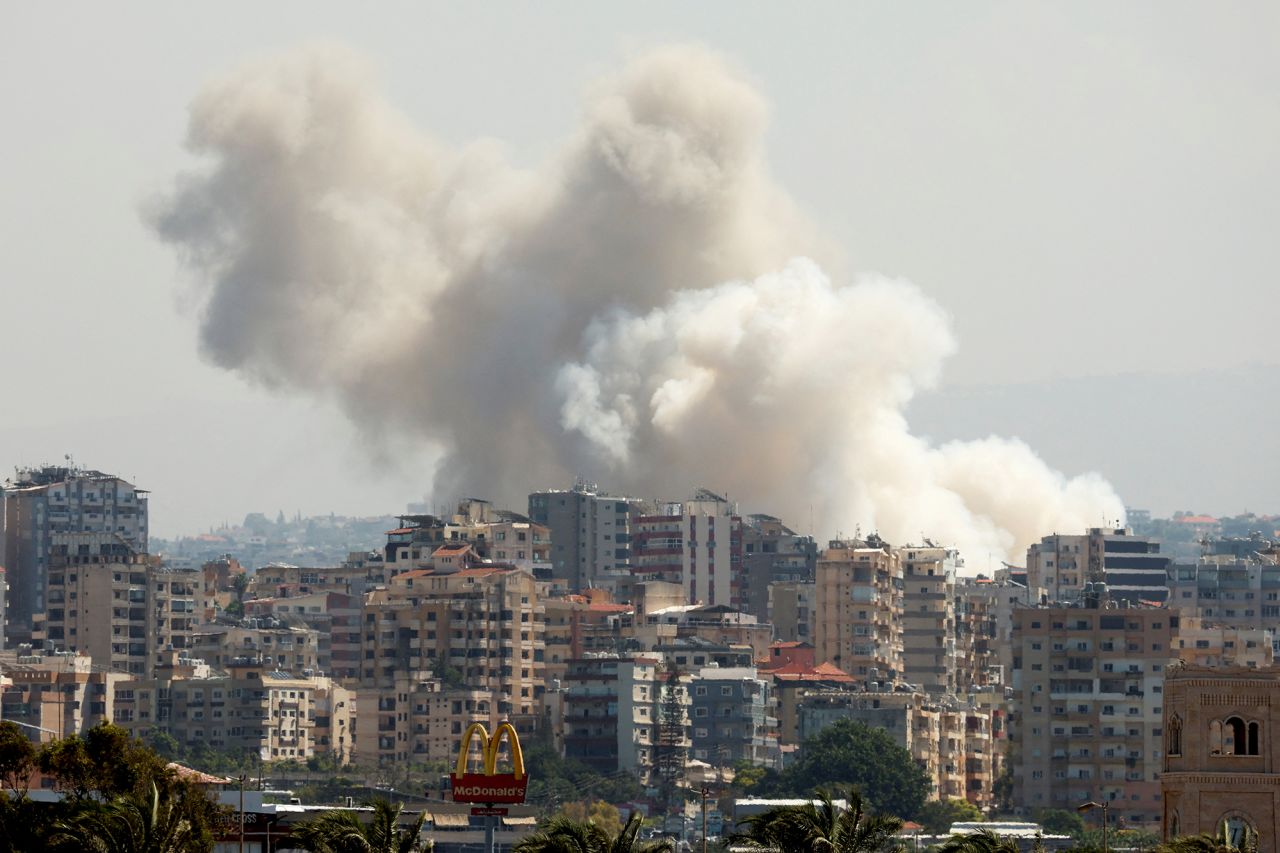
[(1132, 567), (335, 616), (119, 606), (984, 630), (858, 623), (952, 741), (576, 625), (487, 624), (1088, 685), (614, 708), (791, 609), (54, 696), (250, 710), (282, 648), (418, 720), (40, 503), (929, 616), (590, 532), (696, 543), (772, 553), (733, 718), (1242, 592), (717, 624)]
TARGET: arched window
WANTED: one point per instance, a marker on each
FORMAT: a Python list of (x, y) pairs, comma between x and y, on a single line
[(1254, 731), (1215, 738), (1175, 735), (1175, 827), (1236, 742)]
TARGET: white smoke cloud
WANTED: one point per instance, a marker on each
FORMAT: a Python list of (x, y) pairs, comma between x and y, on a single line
[(640, 309)]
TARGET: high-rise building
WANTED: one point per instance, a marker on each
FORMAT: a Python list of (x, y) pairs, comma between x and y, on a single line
[(1132, 567), (121, 607), (772, 553), (42, 502), (696, 543), (590, 532), (929, 616), (858, 626)]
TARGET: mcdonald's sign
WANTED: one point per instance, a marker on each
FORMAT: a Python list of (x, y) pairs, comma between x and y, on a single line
[(490, 786)]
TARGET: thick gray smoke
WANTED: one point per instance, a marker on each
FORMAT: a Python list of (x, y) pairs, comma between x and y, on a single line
[(640, 310)]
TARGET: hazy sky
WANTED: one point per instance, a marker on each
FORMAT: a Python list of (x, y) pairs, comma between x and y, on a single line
[(1090, 190)]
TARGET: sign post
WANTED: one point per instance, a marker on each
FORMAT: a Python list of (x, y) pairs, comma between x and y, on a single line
[(489, 787)]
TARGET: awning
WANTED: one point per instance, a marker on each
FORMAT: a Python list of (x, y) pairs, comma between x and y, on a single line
[(453, 820)]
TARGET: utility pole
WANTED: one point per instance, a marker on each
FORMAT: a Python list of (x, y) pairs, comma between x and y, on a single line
[(242, 777), (705, 793)]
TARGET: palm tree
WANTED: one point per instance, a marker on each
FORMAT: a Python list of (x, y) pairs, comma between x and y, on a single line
[(565, 835), (132, 824), (1221, 843), (821, 827), (979, 841), (344, 832)]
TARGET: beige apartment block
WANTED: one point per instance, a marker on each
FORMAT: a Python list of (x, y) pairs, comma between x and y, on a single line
[(858, 626), (929, 617), (1088, 686), (120, 607), (1221, 761), (1229, 591), (948, 738), (791, 610), (417, 721), (53, 696), (984, 631), (484, 624), (295, 650), (250, 710), (581, 624)]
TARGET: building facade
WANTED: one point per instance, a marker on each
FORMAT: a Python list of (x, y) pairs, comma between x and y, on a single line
[(590, 532), (858, 622)]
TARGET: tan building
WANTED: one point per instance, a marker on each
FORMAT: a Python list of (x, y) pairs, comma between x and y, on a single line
[(53, 696), (294, 650), (418, 721), (929, 617), (791, 610), (251, 710), (1131, 566), (858, 622), (579, 624), (117, 605), (1221, 757), (484, 624)]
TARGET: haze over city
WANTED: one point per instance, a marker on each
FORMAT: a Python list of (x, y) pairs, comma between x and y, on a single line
[(1047, 224)]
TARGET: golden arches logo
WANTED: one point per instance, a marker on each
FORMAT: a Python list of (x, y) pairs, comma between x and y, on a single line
[(490, 786), (489, 747)]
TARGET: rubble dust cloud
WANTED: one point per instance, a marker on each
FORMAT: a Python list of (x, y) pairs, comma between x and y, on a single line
[(642, 309)]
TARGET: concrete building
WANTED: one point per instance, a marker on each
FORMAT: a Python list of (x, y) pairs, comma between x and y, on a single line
[(417, 720), (1088, 690), (791, 609), (1243, 592), (40, 503), (612, 709), (54, 696), (284, 648), (950, 740), (119, 606), (1132, 567), (772, 553), (251, 710), (590, 532), (576, 625), (858, 626), (984, 630), (1221, 763), (929, 616), (485, 624), (733, 717), (697, 544)]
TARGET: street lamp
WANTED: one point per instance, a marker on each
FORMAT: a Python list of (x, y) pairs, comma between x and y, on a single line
[(1084, 807)]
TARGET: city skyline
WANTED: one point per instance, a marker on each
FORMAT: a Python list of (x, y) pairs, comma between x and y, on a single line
[(1154, 223)]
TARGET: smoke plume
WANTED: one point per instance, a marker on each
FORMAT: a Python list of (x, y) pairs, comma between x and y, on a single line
[(641, 309)]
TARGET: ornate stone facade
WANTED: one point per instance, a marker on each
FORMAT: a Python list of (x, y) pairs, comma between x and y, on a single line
[(1221, 762)]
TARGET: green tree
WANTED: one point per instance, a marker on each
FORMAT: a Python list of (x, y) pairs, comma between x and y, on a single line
[(132, 824), (820, 827), (849, 753), (17, 758), (937, 815), (979, 841), (344, 832), (105, 762), (1060, 822), (566, 835)]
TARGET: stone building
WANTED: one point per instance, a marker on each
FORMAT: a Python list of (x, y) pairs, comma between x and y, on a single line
[(858, 618), (1221, 766)]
